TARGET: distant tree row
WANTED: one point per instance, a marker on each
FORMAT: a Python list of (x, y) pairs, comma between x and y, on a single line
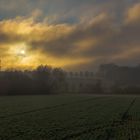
[(43, 80), (81, 74), (109, 79)]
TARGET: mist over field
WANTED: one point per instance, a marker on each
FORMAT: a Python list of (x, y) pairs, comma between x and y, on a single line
[(47, 80), (69, 70)]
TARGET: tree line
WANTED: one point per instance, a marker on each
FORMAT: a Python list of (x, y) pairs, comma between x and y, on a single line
[(47, 80), (42, 80)]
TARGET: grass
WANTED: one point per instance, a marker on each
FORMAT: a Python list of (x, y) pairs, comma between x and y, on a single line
[(70, 117)]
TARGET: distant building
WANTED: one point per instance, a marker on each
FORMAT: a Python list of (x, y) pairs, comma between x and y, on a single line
[(81, 81)]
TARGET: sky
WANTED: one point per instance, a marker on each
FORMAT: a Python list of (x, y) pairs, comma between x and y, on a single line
[(72, 34)]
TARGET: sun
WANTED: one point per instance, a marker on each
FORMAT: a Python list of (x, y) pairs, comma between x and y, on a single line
[(22, 52), (19, 50)]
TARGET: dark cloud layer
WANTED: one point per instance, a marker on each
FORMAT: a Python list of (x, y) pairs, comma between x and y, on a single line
[(62, 10), (75, 34)]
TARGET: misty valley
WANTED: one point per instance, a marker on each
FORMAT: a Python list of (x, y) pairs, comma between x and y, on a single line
[(69, 69), (51, 104), (108, 79)]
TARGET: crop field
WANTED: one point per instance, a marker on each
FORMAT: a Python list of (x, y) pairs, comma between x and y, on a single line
[(70, 117)]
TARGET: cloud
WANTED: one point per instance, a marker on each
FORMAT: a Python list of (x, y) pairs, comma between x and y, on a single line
[(133, 14), (67, 10), (84, 44)]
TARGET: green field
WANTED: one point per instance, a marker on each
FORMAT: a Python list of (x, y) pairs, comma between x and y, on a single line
[(70, 117)]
